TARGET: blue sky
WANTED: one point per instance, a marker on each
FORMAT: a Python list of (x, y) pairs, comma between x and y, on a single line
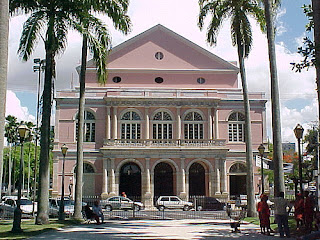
[(297, 91)]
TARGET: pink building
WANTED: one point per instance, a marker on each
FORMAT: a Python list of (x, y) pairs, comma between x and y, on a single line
[(169, 121)]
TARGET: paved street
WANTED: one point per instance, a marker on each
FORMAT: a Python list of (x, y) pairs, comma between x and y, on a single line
[(157, 229)]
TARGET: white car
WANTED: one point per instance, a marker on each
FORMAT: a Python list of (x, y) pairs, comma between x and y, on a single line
[(121, 203), (10, 203), (54, 204), (172, 202)]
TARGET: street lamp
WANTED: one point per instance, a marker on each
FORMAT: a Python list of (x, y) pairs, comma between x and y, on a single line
[(298, 131), (64, 150), (261, 149), (23, 131)]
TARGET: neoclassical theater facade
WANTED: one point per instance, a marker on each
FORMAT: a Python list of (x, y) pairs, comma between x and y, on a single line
[(169, 121)]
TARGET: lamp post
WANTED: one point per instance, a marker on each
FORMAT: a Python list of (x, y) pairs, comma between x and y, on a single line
[(64, 150), (23, 133), (298, 131), (261, 149)]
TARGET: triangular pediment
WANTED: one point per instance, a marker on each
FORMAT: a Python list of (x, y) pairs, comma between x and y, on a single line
[(178, 53)]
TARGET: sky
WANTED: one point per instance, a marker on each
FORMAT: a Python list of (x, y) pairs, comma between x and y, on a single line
[(297, 90)]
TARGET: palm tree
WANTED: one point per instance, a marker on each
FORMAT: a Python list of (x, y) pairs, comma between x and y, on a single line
[(269, 6), (241, 33), (4, 30), (11, 135), (53, 18), (316, 22), (98, 44)]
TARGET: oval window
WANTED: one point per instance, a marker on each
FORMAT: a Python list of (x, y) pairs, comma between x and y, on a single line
[(201, 80), (116, 79), (159, 55), (159, 80)]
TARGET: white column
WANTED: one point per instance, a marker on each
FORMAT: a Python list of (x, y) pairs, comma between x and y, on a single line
[(108, 124), (148, 180), (216, 123), (223, 176), (112, 178), (147, 125), (178, 122), (217, 181), (183, 177), (115, 122), (105, 177), (209, 124)]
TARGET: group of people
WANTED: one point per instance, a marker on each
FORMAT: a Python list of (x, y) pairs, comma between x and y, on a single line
[(303, 213), (94, 213)]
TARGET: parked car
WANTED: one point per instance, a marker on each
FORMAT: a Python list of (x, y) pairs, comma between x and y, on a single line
[(210, 204), (9, 204), (172, 202), (54, 204), (121, 203)]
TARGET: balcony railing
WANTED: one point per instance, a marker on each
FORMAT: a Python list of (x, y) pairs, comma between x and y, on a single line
[(164, 142)]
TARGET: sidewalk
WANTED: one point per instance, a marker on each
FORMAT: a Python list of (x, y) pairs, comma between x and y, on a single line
[(155, 229)]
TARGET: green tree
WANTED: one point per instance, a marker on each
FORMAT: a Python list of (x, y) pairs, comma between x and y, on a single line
[(241, 33), (50, 21), (96, 38), (4, 30), (11, 135)]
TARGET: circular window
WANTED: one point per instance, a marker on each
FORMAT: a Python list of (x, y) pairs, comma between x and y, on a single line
[(116, 79), (159, 80), (159, 55), (201, 80)]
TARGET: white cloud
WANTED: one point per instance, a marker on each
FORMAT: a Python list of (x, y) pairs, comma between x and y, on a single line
[(13, 107), (181, 17)]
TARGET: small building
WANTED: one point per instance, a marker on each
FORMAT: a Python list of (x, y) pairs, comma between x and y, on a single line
[(169, 121)]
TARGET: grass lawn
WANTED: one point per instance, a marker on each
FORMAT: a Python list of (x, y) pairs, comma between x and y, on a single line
[(30, 229), (274, 226)]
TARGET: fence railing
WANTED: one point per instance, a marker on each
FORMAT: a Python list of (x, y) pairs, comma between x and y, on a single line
[(164, 142)]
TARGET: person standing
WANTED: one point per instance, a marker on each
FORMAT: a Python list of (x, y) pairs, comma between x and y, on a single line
[(281, 210), (264, 215), (308, 211), (298, 210), (96, 208)]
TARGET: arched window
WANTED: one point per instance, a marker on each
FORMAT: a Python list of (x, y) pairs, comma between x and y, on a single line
[(238, 168), (193, 126), (89, 127), (236, 127), (162, 126), (130, 125)]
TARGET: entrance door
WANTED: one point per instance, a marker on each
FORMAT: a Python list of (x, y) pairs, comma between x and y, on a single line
[(130, 180), (163, 180), (238, 185), (197, 180)]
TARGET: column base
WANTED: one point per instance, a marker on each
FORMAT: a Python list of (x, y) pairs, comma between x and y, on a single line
[(183, 196), (147, 200), (104, 196)]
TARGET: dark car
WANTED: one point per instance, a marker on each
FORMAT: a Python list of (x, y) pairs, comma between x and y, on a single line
[(209, 204)]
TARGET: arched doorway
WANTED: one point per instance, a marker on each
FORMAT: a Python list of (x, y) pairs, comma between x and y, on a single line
[(130, 180), (163, 180), (237, 176), (197, 180)]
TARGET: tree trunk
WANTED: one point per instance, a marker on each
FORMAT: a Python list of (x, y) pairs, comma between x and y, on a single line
[(249, 158), (275, 103), (44, 166), (79, 168), (4, 33)]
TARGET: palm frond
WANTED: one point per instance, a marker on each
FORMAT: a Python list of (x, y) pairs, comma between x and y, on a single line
[(17, 7), (61, 26), (30, 34)]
